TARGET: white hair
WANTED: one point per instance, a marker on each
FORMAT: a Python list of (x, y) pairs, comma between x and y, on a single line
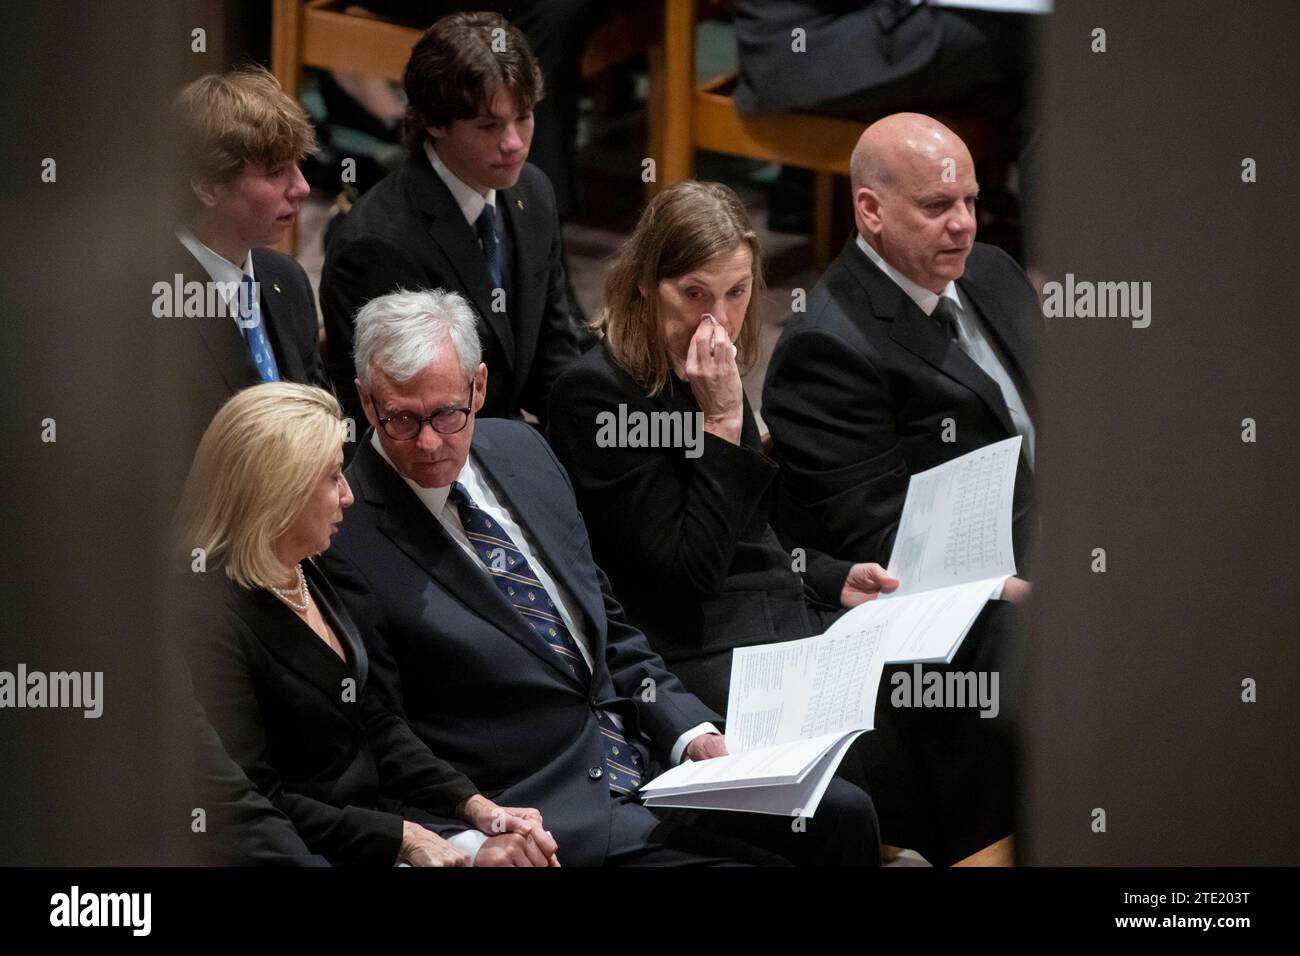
[(399, 334)]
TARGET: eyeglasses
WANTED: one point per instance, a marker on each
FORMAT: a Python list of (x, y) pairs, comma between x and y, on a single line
[(405, 426)]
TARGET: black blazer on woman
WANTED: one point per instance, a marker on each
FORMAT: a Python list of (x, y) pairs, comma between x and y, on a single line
[(686, 541), (688, 548), (307, 728)]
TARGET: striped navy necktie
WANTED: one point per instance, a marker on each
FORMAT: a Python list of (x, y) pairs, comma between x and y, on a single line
[(515, 578)]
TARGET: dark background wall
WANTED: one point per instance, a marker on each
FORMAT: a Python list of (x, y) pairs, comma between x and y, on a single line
[(1135, 674), (83, 517)]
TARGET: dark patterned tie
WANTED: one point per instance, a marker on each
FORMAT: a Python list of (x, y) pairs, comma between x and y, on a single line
[(486, 227), (945, 313), (517, 581)]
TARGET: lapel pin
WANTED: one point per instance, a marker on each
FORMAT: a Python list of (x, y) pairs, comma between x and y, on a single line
[(519, 203), (275, 286)]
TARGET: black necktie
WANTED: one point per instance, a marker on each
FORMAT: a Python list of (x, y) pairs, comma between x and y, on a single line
[(486, 226), (945, 313)]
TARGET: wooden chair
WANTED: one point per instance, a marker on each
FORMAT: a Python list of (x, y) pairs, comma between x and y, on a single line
[(704, 116), (324, 34)]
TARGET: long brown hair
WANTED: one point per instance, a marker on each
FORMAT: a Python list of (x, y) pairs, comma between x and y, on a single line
[(682, 228)]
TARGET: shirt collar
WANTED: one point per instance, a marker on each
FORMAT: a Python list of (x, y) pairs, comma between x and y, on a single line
[(218, 268), (435, 499), (925, 299), (467, 197)]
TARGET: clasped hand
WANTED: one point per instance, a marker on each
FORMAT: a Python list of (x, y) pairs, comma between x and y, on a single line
[(516, 837)]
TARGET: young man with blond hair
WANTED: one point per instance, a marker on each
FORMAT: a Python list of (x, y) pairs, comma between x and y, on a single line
[(239, 140)]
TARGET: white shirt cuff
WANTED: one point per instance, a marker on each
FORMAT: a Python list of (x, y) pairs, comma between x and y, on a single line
[(685, 739), (469, 841)]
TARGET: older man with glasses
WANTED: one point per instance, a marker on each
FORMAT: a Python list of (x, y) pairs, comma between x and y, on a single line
[(467, 568)]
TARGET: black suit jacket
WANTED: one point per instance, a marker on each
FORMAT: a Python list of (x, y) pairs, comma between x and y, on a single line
[(687, 541), (243, 827), (207, 357), (408, 232), (472, 678), (859, 385), (307, 728)]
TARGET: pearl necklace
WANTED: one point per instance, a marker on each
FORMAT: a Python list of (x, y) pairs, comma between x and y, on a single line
[(287, 595)]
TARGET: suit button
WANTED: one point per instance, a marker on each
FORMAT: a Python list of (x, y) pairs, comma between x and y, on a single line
[(595, 773)]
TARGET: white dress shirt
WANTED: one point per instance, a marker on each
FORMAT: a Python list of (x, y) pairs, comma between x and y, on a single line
[(220, 270), (971, 339), (469, 199), (483, 496)]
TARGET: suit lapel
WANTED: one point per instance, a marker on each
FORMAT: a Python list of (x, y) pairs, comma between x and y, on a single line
[(519, 219), (913, 330), (221, 336), (405, 521), (275, 319), (552, 543), (298, 647), (458, 242), (342, 624), (1011, 335)]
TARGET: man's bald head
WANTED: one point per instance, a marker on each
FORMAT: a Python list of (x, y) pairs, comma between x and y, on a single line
[(914, 197), (900, 144)]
